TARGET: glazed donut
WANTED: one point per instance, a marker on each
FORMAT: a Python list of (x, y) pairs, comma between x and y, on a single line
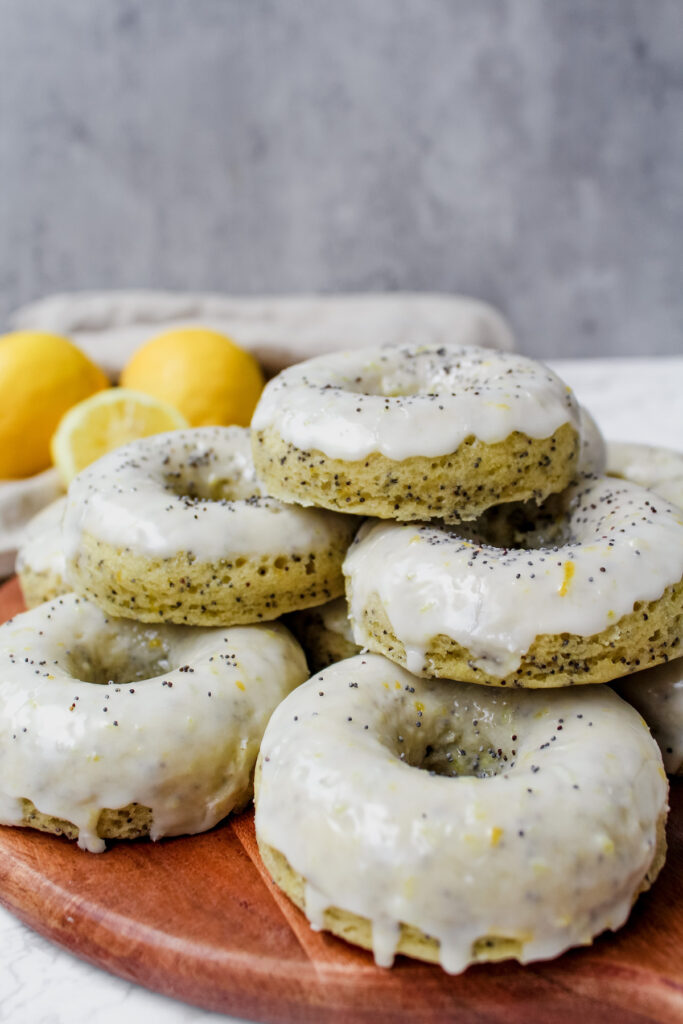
[(416, 432), (324, 633), (177, 528), (40, 565), (114, 729), (607, 601), (658, 469), (657, 693), (552, 825)]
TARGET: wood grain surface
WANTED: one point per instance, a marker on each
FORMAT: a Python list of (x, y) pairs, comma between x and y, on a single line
[(197, 918)]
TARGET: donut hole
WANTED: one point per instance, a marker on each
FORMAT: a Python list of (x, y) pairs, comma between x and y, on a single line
[(424, 373), (520, 525), (213, 488), (452, 746), (123, 656), (202, 477), (385, 383), (384, 388)]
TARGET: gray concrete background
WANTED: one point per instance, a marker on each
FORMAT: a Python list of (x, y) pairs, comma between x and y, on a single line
[(527, 152)]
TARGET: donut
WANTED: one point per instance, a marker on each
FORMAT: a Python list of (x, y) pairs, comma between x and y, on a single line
[(40, 565), (605, 602), (113, 729), (324, 633), (416, 432), (176, 528), (454, 823), (657, 693), (658, 469)]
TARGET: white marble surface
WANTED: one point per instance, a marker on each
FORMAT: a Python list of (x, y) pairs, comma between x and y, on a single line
[(632, 400)]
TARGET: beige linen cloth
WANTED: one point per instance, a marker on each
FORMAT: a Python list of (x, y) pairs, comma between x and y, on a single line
[(109, 326)]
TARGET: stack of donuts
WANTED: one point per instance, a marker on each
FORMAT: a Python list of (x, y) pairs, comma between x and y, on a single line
[(459, 793), (466, 788), (161, 575)]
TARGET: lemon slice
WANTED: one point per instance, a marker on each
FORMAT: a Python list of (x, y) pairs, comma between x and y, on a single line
[(106, 421)]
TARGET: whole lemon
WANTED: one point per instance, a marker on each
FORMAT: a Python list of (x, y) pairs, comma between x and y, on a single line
[(41, 376), (200, 372)]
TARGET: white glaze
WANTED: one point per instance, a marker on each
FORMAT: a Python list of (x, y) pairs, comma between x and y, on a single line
[(42, 550), (658, 469), (593, 451), (657, 693), (412, 400), (551, 850), (182, 742), (623, 545), (19, 502), (335, 618), (671, 490), (127, 499)]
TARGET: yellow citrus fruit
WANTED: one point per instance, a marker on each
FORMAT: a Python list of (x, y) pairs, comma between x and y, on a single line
[(106, 421), (201, 372), (41, 376)]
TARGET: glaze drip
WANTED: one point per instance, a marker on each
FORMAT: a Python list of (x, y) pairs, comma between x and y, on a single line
[(544, 851), (86, 726)]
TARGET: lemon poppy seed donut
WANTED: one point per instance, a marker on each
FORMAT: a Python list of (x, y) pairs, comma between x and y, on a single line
[(658, 469), (604, 602), (657, 693), (416, 432), (458, 824), (113, 729), (177, 528), (40, 565)]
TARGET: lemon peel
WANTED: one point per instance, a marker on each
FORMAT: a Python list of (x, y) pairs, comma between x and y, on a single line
[(106, 421)]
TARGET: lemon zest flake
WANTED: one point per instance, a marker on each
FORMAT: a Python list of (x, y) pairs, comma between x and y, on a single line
[(569, 570)]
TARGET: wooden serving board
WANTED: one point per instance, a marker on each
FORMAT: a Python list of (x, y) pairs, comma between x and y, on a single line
[(197, 918)]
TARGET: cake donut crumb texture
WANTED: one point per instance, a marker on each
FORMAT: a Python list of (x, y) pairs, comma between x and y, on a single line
[(416, 432), (177, 528), (454, 823), (115, 729), (607, 601)]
